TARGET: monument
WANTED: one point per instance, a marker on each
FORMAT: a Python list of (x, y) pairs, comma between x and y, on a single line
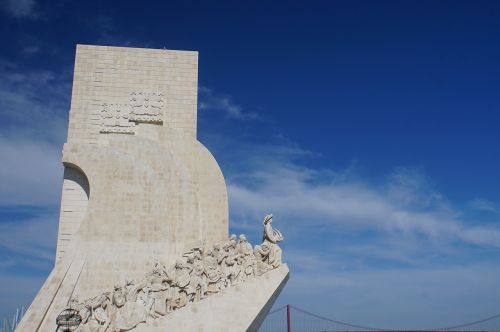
[(143, 241)]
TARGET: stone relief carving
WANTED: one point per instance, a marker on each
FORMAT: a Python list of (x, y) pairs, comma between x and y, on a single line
[(115, 118), (200, 273), (144, 107)]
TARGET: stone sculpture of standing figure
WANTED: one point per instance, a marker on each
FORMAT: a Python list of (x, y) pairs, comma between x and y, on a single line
[(271, 237)]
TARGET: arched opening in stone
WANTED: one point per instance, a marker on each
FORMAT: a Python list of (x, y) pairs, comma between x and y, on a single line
[(74, 201)]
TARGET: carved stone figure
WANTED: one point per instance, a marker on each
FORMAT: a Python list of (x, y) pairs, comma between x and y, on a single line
[(160, 291), (248, 258), (99, 307), (133, 312), (118, 298), (83, 310), (232, 242), (271, 237), (261, 253), (180, 280), (146, 299), (212, 272), (231, 262), (198, 281), (243, 245), (193, 254)]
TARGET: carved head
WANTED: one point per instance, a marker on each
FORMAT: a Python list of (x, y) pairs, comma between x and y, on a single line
[(179, 264), (198, 253), (227, 246), (268, 219), (243, 238)]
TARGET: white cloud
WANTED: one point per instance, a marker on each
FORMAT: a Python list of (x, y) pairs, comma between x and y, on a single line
[(20, 8), (34, 239), (307, 197), (395, 250), (484, 205), (34, 103), (34, 106), (211, 101), (30, 172)]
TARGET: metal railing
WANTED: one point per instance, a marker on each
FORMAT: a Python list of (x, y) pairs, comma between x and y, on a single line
[(289, 318)]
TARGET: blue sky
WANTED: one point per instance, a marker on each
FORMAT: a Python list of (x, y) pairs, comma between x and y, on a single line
[(369, 128)]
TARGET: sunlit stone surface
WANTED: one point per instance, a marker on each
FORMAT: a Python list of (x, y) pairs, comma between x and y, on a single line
[(140, 192)]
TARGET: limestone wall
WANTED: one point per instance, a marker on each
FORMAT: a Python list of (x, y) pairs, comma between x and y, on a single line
[(154, 189), (105, 74)]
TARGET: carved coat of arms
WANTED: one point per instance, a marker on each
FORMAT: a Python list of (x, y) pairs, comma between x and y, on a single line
[(143, 107)]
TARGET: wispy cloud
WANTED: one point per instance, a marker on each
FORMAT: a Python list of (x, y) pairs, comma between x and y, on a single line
[(20, 8), (34, 106), (223, 103), (30, 172), (484, 205), (32, 238), (34, 103), (403, 204), (363, 245)]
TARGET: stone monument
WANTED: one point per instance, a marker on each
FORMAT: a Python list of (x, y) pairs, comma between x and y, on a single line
[(143, 231)]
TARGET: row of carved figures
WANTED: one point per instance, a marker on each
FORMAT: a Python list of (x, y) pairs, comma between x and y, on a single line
[(200, 273)]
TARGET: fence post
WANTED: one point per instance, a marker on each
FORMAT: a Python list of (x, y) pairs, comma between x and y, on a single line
[(288, 319)]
